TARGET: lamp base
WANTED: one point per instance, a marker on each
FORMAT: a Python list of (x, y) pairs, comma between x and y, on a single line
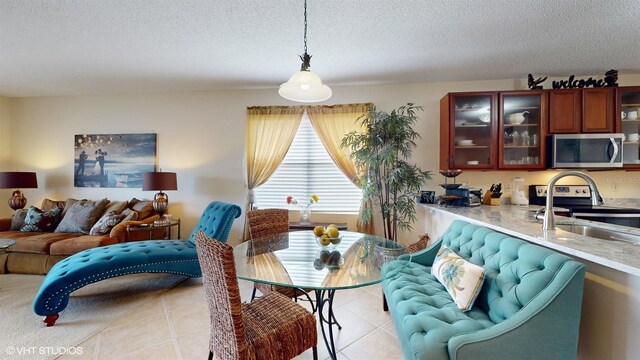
[(162, 220), (17, 200), (160, 205)]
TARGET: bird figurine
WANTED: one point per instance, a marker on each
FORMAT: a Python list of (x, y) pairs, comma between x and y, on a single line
[(533, 84)]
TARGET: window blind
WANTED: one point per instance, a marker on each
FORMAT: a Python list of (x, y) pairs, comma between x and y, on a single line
[(308, 169)]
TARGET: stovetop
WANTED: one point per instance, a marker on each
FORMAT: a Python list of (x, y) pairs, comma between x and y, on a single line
[(575, 198), (563, 195)]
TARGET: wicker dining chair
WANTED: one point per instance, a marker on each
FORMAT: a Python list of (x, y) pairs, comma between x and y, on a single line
[(272, 327), (266, 222)]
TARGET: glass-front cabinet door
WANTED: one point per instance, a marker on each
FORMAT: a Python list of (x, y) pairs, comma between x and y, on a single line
[(629, 120), (522, 130), (469, 123)]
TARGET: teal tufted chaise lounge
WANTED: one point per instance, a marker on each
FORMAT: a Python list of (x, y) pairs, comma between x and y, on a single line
[(96, 264), (528, 307)]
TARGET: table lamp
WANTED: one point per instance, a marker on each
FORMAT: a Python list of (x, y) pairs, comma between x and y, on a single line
[(160, 181), (17, 180)]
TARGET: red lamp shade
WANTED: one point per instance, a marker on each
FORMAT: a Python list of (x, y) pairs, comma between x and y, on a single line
[(18, 180), (159, 181)]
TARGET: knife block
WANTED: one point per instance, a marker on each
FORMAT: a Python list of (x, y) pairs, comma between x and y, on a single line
[(486, 199)]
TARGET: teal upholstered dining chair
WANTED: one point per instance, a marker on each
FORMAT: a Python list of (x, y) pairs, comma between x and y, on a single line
[(155, 256)]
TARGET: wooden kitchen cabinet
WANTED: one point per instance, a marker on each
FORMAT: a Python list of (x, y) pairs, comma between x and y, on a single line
[(522, 130), (565, 111), (628, 101), (468, 131), (481, 130), (598, 110), (575, 111), (493, 130)]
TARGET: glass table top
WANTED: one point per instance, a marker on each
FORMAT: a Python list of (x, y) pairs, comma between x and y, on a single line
[(295, 259)]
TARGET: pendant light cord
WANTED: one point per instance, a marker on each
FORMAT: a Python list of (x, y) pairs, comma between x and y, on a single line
[(305, 26), (306, 58)]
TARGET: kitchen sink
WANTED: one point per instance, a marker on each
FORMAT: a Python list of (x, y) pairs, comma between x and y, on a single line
[(600, 233)]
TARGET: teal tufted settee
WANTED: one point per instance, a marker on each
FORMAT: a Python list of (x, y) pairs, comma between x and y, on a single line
[(528, 307)]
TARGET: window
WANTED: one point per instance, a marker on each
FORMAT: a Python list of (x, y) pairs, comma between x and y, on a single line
[(308, 169)]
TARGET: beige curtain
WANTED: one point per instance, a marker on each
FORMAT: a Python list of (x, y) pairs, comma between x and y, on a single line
[(331, 123), (270, 131)]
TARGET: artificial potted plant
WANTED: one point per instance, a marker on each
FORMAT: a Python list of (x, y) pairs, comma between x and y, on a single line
[(381, 153)]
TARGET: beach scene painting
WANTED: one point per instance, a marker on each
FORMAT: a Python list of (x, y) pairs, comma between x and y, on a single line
[(113, 160)]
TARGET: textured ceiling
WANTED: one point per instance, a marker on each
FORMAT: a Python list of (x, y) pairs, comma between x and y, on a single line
[(72, 47)]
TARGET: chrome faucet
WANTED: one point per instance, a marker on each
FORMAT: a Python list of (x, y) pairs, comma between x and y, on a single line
[(549, 221)]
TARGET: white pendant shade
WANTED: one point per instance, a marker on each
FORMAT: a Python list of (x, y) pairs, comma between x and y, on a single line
[(305, 86)]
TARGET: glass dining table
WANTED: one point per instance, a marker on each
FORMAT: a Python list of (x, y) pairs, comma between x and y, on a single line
[(297, 260)]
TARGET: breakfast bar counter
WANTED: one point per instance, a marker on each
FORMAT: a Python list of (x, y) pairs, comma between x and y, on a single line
[(520, 222), (610, 318)]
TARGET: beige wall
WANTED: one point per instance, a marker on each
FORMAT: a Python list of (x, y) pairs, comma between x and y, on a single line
[(5, 130), (201, 136)]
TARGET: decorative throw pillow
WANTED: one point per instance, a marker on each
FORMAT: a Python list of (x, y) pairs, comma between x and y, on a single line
[(81, 216), (143, 207), (38, 220), (106, 223), (67, 205), (129, 215), (462, 279), (18, 219), (115, 206), (48, 204)]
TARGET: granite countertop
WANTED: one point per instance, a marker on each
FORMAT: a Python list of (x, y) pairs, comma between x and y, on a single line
[(519, 221)]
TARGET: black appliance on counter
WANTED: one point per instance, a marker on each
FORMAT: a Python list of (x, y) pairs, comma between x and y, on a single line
[(577, 199), (467, 196)]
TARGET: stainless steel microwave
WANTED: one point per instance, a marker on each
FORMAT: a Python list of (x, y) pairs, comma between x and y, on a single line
[(587, 150)]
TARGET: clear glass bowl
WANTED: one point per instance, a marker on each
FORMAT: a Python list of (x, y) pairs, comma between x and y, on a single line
[(332, 241)]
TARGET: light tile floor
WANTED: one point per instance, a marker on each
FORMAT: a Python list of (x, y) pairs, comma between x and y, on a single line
[(176, 326)]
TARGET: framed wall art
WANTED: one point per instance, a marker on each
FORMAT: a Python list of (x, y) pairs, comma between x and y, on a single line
[(113, 160)]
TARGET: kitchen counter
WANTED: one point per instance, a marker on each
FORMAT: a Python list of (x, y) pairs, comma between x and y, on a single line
[(519, 221)]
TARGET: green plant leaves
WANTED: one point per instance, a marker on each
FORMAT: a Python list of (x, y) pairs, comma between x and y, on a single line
[(381, 154)]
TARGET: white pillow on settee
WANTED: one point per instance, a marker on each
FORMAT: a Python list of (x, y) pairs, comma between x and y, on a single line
[(462, 279)]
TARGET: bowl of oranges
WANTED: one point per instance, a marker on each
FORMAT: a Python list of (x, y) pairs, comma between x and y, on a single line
[(327, 236)]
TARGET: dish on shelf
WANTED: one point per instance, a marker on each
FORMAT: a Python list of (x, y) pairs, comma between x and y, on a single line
[(473, 162), (517, 118), (484, 118), (450, 186), (464, 142), (468, 107), (450, 173)]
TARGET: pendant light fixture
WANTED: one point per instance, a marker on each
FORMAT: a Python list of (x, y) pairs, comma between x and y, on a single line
[(305, 86)]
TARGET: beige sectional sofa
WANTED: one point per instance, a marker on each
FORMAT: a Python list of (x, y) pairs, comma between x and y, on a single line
[(80, 225)]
